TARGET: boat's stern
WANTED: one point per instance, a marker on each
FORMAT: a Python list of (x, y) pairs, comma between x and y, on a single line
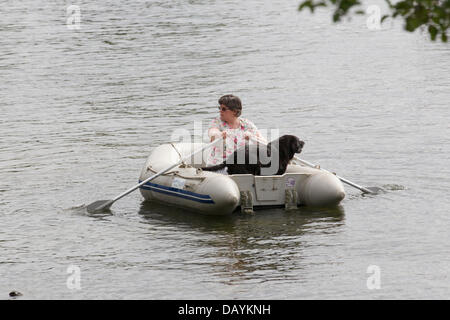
[(321, 189)]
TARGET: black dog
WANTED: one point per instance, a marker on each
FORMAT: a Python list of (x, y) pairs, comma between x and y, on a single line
[(260, 159)]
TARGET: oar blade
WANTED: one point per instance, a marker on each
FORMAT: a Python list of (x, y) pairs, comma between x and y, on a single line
[(375, 190), (99, 206)]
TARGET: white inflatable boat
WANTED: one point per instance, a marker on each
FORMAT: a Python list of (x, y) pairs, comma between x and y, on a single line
[(217, 194)]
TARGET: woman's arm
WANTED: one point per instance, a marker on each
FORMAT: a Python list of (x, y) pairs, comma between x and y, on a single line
[(214, 130), (214, 133), (252, 133), (258, 136)]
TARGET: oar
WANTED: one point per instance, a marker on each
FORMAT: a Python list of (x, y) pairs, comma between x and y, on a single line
[(102, 205), (371, 190)]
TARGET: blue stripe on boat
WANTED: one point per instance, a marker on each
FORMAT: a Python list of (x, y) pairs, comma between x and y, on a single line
[(180, 193)]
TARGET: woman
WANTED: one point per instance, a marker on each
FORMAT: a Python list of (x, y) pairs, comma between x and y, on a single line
[(232, 128)]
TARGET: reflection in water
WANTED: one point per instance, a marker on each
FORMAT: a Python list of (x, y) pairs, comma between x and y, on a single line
[(266, 245), (82, 210)]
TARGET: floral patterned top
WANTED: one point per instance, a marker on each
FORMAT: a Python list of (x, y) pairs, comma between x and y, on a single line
[(234, 140)]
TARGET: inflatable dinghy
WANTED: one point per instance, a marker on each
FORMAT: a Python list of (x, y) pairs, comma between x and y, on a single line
[(188, 186)]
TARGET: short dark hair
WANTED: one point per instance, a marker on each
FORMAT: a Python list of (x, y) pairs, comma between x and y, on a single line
[(232, 102)]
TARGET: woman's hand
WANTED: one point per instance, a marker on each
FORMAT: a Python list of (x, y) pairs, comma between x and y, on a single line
[(218, 134), (248, 135)]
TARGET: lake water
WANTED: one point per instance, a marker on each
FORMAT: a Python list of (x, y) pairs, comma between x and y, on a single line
[(81, 109)]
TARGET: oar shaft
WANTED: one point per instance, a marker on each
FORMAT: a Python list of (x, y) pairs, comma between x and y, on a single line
[(340, 178), (145, 181)]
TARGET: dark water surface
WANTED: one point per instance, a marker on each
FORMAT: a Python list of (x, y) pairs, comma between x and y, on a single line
[(82, 109)]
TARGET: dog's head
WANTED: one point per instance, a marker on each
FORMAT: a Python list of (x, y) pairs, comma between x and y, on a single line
[(292, 144)]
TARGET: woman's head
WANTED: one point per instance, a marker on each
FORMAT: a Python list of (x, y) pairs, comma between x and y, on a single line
[(229, 106)]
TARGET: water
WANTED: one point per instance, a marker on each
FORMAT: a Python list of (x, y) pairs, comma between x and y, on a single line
[(82, 109)]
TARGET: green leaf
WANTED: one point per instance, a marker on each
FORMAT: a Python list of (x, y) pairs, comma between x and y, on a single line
[(305, 4), (421, 14), (433, 32), (412, 23), (336, 16)]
